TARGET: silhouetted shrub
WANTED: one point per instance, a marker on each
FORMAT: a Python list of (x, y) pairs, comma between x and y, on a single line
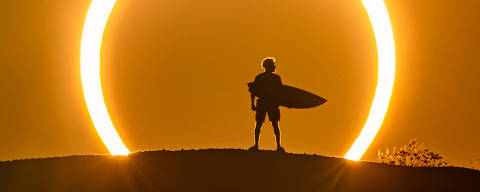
[(413, 155), (475, 164)]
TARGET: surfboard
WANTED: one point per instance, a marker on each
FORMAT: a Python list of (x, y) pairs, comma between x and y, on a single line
[(292, 97)]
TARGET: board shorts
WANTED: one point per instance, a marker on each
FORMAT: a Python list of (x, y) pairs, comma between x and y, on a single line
[(264, 108)]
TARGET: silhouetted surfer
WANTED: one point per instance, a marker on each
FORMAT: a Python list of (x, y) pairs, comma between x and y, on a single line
[(265, 87)]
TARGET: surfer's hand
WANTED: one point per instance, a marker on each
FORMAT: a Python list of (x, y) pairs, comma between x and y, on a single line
[(254, 108)]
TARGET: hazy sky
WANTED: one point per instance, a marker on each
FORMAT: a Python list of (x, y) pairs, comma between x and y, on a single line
[(175, 71)]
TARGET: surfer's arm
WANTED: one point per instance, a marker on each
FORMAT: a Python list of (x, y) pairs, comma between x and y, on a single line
[(252, 95), (252, 99)]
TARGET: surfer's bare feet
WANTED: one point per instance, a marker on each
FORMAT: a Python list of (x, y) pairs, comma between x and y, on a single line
[(280, 149), (253, 148)]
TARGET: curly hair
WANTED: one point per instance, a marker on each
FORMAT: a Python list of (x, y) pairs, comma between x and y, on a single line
[(268, 62)]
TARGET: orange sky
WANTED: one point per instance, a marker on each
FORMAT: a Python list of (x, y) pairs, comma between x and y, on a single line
[(175, 74)]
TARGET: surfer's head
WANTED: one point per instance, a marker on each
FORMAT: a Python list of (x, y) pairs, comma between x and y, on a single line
[(269, 64)]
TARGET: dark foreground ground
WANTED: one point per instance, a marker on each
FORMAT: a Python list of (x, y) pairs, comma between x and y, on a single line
[(226, 170)]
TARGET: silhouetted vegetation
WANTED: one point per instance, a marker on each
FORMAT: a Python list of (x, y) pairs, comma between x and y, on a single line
[(475, 164), (412, 154)]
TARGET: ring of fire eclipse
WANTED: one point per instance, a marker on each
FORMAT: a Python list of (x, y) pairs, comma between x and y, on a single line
[(94, 27)]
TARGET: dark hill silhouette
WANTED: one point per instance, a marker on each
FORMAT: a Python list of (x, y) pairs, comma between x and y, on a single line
[(226, 170)]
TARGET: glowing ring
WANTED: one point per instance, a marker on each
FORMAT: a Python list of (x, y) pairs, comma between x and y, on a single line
[(97, 18), (95, 22), (386, 76)]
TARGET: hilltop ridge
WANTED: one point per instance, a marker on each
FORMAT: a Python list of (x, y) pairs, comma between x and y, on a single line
[(226, 170)]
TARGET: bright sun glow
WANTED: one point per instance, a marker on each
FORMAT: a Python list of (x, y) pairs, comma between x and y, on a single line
[(90, 69), (386, 76)]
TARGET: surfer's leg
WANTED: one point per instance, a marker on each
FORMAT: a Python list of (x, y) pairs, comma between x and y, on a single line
[(274, 116), (259, 119), (258, 126), (276, 130)]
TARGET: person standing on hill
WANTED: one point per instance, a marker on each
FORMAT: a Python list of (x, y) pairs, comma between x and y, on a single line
[(266, 87)]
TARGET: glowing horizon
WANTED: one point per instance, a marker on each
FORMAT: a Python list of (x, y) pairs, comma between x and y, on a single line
[(382, 28), (95, 22)]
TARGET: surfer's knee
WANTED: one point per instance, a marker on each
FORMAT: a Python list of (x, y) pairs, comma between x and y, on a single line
[(275, 124), (258, 124), (276, 131)]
